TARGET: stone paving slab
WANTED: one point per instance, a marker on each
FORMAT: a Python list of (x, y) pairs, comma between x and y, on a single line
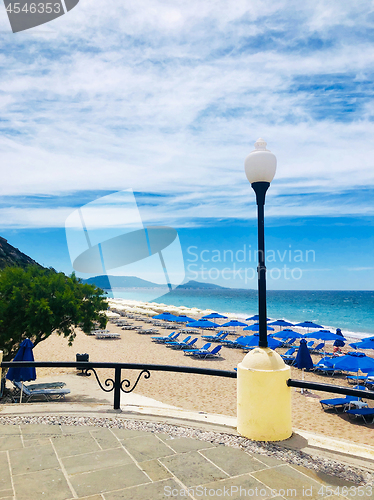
[(59, 462)]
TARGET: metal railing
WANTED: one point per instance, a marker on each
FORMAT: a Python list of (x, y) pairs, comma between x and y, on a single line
[(117, 385)]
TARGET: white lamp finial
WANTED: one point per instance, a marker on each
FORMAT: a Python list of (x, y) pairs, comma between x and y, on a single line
[(260, 164)]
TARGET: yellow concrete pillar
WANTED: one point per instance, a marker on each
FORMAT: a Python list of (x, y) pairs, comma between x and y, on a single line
[(264, 399)]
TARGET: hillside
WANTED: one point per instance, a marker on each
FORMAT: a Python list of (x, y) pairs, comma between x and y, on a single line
[(134, 282), (11, 256)]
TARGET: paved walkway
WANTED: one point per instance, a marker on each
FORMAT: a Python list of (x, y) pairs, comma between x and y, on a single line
[(61, 462)]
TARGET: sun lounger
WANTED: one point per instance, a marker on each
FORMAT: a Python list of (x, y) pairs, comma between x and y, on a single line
[(205, 353), (337, 403), (234, 343), (184, 345), (189, 352), (366, 413), (217, 337), (288, 357), (344, 404), (48, 394), (317, 349), (173, 343), (106, 335), (163, 339), (289, 342), (46, 385)]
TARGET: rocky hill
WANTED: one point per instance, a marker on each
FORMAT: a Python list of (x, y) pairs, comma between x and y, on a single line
[(11, 256)]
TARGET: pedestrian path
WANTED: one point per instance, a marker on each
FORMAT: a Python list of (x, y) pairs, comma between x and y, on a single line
[(63, 462)]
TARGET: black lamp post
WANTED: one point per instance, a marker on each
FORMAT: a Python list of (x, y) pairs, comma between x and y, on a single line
[(260, 167)]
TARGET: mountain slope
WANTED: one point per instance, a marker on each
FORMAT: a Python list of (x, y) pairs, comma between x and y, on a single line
[(11, 256)]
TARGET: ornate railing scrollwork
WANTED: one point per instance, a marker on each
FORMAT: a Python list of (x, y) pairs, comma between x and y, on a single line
[(108, 382), (127, 382)]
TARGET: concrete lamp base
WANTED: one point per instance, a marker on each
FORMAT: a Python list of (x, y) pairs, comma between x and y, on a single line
[(264, 399)]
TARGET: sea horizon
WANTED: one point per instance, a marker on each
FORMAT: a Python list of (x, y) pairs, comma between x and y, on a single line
[(350, 310)]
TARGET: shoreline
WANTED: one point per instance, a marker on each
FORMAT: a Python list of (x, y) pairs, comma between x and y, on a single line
[(351, 336)]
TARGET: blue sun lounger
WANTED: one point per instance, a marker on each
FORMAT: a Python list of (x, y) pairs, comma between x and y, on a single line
[(173, 343), (162, 340), (341, 403), (205, 353), (289, 357), (189, 352), (365, 413)]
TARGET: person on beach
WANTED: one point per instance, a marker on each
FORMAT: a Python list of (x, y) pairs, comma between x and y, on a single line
[(338, 343)]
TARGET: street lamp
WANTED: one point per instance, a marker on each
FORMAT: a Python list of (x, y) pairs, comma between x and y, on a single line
[(260, 167), (263, 396)]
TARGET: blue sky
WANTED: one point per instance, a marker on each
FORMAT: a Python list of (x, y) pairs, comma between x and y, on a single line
[(167, 99)]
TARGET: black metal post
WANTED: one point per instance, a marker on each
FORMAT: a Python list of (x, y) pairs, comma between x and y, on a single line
[(260, 189), (117, 388)]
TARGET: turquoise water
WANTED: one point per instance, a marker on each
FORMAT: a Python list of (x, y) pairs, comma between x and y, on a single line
[(350, 311)]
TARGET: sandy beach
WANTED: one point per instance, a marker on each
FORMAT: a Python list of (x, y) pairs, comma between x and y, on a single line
[(197, 392)]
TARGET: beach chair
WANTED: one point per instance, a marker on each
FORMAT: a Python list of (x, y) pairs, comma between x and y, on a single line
[(189, 352), (317, 349), (46, 385), (205, 353), (289, 357), (186, 345), (234, 343), (367, 414), (310, 344), (173, 343), (365, 379), (162, 340), (289, 342), (343, 404), (48, 394)]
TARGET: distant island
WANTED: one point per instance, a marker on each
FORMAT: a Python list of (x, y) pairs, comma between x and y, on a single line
[(113, 282)]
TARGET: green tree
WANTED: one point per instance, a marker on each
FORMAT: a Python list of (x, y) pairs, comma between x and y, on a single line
[(35, 302)]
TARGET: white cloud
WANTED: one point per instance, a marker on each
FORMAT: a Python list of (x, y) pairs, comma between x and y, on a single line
[(169, 97)]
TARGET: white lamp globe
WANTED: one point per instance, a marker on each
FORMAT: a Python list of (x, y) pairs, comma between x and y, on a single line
[(260, 165)]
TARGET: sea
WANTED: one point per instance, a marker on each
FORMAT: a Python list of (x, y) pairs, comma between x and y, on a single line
[(351, 311)]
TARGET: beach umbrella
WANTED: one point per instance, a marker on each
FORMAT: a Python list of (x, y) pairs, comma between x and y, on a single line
[(24, 373), (256, 326), (303, 359), (165, 316), (252, 341), (287, 334), (255, 318), (202, 323), (364, 344), (214, 315), (234, 322), (281, 322), (182, 319), (323, 335), (308, 324), (355, 361)]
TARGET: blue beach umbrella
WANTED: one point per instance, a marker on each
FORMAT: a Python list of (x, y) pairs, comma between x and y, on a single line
[(355, 361), (202, 323), (287, 334), (255, 318), (234, 322), (308, 324), (181, 319), (24, 373), (364, 344), (165, 316), (281, 322), (323, 335), (214, 316), (303, 359), (252, 341), (256, 327)]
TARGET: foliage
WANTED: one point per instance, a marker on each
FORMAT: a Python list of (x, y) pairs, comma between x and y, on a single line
[(35, 302)]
